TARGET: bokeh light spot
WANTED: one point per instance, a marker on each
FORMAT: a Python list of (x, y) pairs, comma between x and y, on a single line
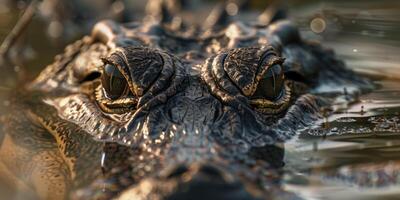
[(318, 25)]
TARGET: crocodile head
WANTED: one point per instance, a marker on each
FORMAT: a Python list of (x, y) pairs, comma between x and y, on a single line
[(184, 113)]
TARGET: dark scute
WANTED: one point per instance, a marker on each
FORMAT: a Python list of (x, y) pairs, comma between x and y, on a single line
[(286, 31), (144, 66), (241, 65), (114, 83)]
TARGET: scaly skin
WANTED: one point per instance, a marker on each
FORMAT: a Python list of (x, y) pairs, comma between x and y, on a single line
[(187, 115)]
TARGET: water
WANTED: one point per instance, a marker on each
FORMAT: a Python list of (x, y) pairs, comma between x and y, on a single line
[(356, 157), (352, 154)]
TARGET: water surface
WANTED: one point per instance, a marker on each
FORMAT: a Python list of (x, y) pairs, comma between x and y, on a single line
[(354, 153)]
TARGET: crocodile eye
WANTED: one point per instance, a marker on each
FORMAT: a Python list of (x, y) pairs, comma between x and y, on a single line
[(114, 83), (271, 85)]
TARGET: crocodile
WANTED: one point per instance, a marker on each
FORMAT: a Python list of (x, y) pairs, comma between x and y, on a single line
[(164, 110)]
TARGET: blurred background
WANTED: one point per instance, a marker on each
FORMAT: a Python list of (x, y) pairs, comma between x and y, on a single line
[(364, 32)]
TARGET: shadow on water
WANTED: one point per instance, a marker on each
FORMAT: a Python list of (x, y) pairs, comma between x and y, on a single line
[(353, 154)]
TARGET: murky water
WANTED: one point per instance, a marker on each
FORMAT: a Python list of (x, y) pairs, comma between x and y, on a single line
[(353, 154)]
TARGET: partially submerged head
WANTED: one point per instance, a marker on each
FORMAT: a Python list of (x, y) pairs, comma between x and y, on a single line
[(201, 115)]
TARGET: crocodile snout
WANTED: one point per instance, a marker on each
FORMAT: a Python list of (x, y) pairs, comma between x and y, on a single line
[(195, 182)]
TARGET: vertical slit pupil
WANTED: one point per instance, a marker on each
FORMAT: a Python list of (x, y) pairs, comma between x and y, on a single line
[(114, 83), (270, 87)]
